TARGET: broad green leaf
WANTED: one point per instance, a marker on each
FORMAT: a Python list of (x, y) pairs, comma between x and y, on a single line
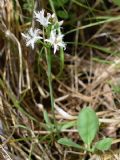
[(103, 144), (87, 125), (117, 2), (69, 143)]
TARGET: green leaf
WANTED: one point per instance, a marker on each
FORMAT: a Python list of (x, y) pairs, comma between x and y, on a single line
[(87, 124), (117, 2), (69, 143), (60, 3), (62, 14), (46, 117), (67, 125), (103, 144), (49, 125)]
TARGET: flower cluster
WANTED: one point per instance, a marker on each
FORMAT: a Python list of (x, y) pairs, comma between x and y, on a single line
[(54, 37)]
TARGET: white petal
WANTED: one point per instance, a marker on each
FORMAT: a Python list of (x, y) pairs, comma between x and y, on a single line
[(25, 36), (48, 40), (53, 15), (42, 12), (55, 48), (60, 23), (48, 15)]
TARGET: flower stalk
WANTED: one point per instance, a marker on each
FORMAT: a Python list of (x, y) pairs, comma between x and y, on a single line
[(49, 74), (49, 36)]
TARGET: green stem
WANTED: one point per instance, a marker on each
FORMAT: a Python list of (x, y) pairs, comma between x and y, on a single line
[(61, 49), (48, 58)]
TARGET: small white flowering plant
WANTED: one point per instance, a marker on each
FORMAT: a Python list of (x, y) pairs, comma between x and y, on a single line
[(50, 35)]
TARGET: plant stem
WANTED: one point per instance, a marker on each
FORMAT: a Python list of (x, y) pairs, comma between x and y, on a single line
[(61, 49), (48, 58)]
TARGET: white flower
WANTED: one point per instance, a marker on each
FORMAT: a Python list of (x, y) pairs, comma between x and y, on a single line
[(56, 40), (31, 37), (41, 18)]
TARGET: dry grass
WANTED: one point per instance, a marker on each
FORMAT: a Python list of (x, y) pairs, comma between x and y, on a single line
[(24, 91)]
